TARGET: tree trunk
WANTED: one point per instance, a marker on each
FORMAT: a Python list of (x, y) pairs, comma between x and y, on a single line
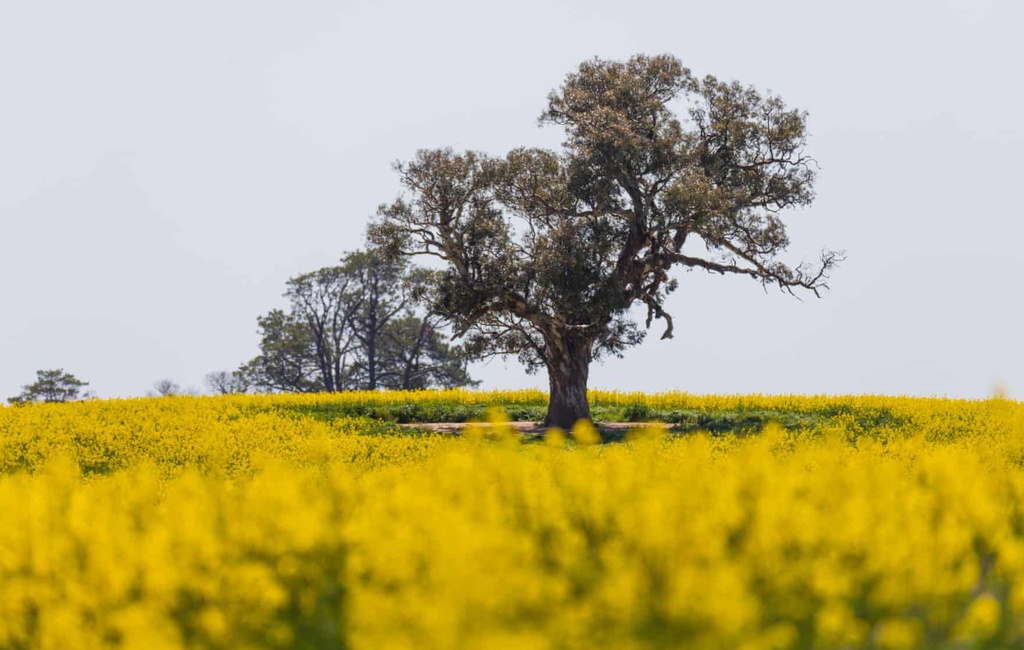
[(568, 365), (371, 344)]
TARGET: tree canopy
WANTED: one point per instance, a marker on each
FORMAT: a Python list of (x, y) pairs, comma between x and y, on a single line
[(50, 386), (359, 325), (545, 251)]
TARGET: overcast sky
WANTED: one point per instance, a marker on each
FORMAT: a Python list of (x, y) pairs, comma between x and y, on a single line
[(165, 167)]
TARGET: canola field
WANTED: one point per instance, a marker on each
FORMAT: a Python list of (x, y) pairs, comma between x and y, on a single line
[(297, 522)]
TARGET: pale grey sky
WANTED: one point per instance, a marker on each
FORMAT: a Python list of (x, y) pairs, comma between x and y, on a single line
[(166, 166)]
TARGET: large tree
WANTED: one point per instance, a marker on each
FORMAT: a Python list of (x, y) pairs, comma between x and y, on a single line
[(545, 252)]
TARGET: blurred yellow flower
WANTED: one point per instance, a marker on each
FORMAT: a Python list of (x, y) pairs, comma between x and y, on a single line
[(291, 521)]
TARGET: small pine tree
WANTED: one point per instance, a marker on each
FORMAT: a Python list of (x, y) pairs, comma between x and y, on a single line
[(50, 386)]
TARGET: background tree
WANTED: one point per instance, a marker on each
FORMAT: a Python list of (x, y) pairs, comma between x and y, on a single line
[(224, 382), (165, 388), (50, 386), (385, 290), (286, 361), (546, 252), (342, 328), (306, 349), (323, 304), (416, 355)]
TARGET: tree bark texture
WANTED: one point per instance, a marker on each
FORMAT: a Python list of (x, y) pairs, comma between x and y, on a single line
[(568, 364)]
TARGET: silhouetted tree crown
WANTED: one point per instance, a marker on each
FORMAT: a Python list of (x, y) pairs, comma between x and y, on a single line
[(356, 326), (50, 386)]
